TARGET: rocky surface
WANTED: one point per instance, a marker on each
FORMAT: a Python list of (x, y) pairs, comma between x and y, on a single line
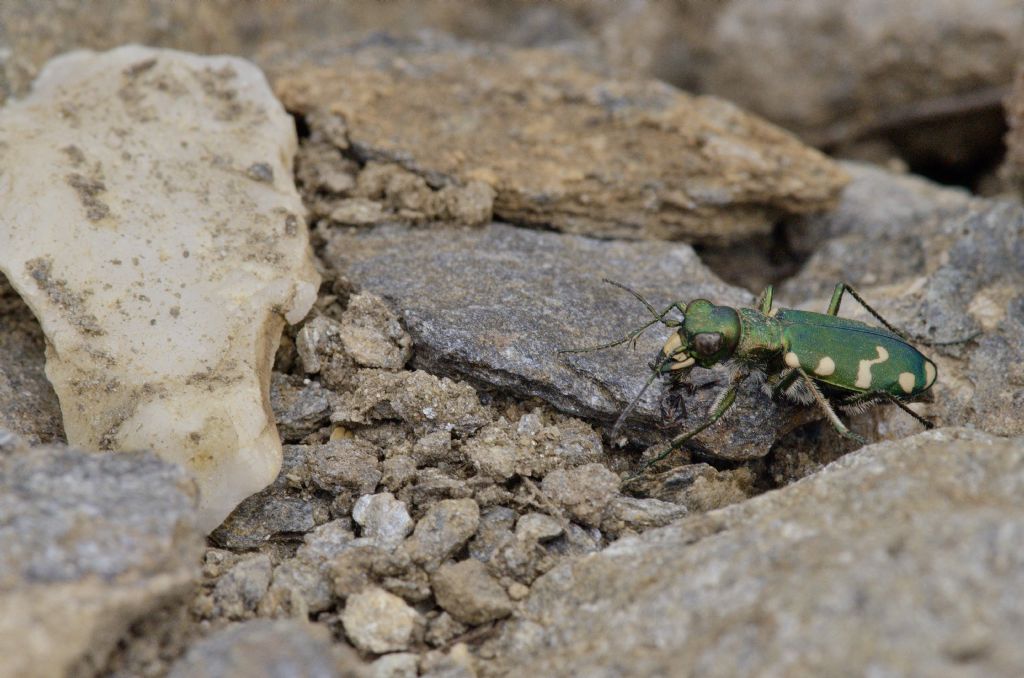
[(439, 500), (496, 305), (927, 77), (89, 545), (875, 551), (1013, 166), (164, 315), (28, 405), (655, 162), (268, 649)]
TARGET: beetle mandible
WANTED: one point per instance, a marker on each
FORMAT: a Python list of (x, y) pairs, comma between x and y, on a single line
[(808, 357)]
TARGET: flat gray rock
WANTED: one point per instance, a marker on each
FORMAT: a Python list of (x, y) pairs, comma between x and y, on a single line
[(494, 305), (89, 544), (899, 559)]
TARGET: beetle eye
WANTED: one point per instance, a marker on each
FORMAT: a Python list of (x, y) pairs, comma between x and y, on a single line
[(707, 343)]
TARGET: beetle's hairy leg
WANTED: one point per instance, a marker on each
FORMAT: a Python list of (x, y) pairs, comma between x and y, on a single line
[(783, 385), (721, 405), (655, 373), (888, 397), (833, 309), (764, 302), (837, 298), (830, 413)]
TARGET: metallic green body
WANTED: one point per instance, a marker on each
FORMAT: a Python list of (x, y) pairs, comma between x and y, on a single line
[(842, 354), (865, 358)]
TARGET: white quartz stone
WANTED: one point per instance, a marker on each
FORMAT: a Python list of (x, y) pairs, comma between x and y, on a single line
[(149, 218)]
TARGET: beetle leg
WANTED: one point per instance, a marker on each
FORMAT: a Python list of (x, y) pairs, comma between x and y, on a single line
[(718, 408), (764, 302), (783, 385), (830, 413), (837, 297), (885, 395), (833, 309)]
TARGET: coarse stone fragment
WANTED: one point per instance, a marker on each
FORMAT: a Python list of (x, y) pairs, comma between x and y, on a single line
[(395, 665), (442, 629), (639, 514), (317, 341), (584, 492), (494, 529), (457, 662), (161, 273), (469, 593), (495, 305), (372, 335), (655, 162), (538, 527), (424, 401), (378, 621), (284, 508), (443, 530), (905, 549), (301, 585), (397, 471), (493, 452), (263, 648), (239, 591), (300, 405), (431, 486), (435, 449), (343, 465), (383, 518), (89, 544)]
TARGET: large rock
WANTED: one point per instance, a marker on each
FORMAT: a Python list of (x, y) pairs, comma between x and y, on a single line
[(152, 225), (560, 145), (932, 72), (898, 559), (496, 305), (89, 544)]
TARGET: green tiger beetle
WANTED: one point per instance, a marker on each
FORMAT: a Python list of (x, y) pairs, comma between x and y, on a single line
[(808, 357)]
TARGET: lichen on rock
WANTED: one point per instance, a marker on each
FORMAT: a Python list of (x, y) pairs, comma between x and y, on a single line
[(150, 221)]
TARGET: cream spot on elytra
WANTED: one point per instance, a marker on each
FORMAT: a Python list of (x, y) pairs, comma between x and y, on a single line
[(792, 360), (826, 366), (864, 368), (929, 374), (906, 381)]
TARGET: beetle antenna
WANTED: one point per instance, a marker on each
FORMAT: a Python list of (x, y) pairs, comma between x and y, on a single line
[(636, 294), (633, 335), (655, 372)]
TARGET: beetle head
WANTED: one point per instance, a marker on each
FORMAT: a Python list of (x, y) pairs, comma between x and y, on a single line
[(707, 336)]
